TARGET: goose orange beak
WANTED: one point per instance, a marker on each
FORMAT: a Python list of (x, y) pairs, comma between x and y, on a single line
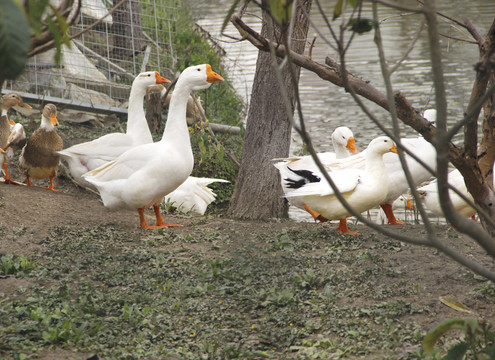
[(394, 149), (212, 76), (11, 122), (160, 79), (53, 119), (409, 205), (352, 146)]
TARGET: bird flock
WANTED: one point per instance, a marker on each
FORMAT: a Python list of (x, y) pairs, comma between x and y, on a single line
[(371, 178), (129, 170)]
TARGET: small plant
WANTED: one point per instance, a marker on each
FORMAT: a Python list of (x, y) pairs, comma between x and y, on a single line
[(478, 342), (11, 265)]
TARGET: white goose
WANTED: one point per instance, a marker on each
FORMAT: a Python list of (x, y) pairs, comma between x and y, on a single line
[(193, 195), (363, 189), (87, 156), (429, 194), (397, 178), (143, 175), (343, 144)]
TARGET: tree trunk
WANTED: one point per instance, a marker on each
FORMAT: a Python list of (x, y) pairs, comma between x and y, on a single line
[(128, 36), (257, 193), (154, 109)]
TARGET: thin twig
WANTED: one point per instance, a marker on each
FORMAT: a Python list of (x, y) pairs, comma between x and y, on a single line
[(51, 43)]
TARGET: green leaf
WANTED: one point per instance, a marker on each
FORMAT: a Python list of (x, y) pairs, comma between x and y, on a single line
[(229, 15), (353, 3), (337, 10), (35, 15), (457, 351), (362, 25), (438, 331), (15, 39), (281, 10)]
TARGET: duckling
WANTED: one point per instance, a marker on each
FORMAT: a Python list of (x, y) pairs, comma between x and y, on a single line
[(39, 158)]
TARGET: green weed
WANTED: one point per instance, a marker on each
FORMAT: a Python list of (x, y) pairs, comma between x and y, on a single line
[(13, 265)]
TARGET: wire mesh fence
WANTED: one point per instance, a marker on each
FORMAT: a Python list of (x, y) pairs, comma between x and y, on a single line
[(96, 71)]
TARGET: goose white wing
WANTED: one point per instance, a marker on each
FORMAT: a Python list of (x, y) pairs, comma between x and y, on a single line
[(124, 166), (107, 147), (193, 194), (345, 180)]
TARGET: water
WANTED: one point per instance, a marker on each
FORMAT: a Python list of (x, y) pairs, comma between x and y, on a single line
[(326, 106)]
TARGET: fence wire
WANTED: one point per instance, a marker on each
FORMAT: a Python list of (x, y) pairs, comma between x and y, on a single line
[(96, 71)]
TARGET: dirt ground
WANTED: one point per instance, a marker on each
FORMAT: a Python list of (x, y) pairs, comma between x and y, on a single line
[(29, 213)]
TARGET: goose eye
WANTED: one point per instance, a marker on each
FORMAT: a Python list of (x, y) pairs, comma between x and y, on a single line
[(198, 69)]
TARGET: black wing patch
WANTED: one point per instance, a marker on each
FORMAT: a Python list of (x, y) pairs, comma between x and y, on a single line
[(306, 177)]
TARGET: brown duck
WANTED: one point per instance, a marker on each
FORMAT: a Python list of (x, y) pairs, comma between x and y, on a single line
[(39, 159), (7, 101)]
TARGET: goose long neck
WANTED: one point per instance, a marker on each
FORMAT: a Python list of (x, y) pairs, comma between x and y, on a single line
[(176, 128), (341, 152), (374, 162), (136, 119)]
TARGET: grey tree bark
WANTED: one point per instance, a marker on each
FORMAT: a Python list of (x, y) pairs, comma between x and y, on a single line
[(257, 193)]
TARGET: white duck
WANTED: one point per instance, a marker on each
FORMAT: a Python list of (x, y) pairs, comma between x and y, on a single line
[(397, 178), (17, 138), (403, 202), (87, 156), (429, 194), (343, 144), (143, 175), (193, 195), (363, 189), (6, 124)]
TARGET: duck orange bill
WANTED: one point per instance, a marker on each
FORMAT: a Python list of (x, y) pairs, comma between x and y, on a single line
[(53, 119), (212, 76), (394, 149), (25, 105), (11, 122), (160, 79), (352, 146), (409, 204)]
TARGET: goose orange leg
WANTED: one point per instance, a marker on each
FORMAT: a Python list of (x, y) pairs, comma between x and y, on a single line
[(344, 229), (28, 183), (160, 223), (315, 215), (51, 185), (142, 220), (387, 209), (7, 177)]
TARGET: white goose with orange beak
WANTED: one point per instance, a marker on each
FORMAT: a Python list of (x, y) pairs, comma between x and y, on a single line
[(87, 156), (343, 144), (362, 188), (143, 175)]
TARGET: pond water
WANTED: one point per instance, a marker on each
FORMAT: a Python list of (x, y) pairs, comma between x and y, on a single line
[(326, 106)]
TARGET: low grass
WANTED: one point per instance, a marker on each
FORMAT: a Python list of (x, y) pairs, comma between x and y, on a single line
[(216, 293)]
